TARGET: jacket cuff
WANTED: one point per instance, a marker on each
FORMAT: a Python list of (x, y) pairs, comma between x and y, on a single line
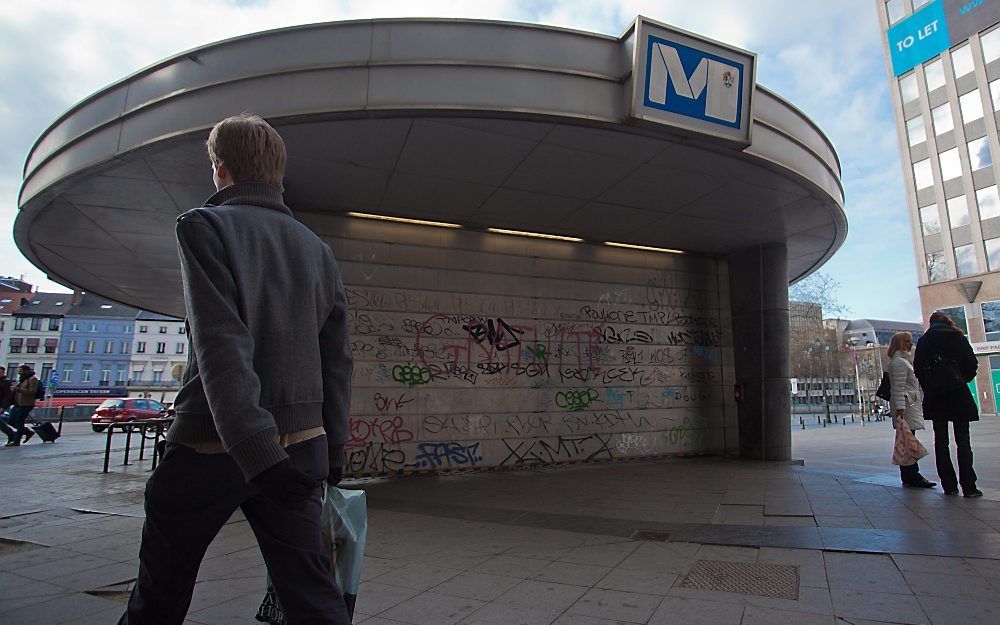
[(337, 456), (258, 452)]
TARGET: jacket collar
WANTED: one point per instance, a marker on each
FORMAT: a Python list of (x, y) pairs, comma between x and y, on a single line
[(255, 193)]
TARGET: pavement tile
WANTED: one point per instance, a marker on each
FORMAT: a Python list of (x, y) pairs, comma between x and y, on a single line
[(374, 597), (790, 521), (512, 566), (503, 614), (430, 608), (728, 554), (58, 610), (417, 576), (955, 586), (658, 557), (864, 572), (756, 615), (542, 595), (630, 607), (373, 567), (641, 581), (686, 611), (843, 521), (933, 564), (889, 607), (609, 555), (950, 611), (481, 586), (570, 573), (97, 577)]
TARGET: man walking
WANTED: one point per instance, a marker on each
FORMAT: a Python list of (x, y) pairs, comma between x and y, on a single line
[(262, 416), (24, 402)]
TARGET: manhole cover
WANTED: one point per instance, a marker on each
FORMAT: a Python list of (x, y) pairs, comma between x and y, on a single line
[(745, 578), (660, 537)]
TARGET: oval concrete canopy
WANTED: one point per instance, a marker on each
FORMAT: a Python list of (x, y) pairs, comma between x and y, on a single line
[(484, 124)]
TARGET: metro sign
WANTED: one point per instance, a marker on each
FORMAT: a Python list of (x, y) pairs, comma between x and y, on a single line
[(689, 82), (711, 91)]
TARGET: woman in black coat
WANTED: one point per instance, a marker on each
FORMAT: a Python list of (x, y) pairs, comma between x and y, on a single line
[(945, 364)]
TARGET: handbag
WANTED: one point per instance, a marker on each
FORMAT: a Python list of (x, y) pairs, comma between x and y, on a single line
[(940, 375), (884, 388), (907, 449)]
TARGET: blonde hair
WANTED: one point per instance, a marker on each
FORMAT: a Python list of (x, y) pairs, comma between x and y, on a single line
[(896, 342), (249, 148)]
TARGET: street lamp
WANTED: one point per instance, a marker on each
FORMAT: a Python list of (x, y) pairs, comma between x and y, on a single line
[(853, 342), (826, 399)]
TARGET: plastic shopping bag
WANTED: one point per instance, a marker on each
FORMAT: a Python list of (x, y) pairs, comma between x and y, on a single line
[(345, 528), (907, 448)]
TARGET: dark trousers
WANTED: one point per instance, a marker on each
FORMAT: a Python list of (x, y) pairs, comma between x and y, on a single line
[(15, 428), (910, 474), (942, 455), (190, 496)]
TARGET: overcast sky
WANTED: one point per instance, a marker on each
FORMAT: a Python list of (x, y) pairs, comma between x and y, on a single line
[(825, 57)]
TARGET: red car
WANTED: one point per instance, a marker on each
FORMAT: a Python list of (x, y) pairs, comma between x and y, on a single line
[(125, 410)]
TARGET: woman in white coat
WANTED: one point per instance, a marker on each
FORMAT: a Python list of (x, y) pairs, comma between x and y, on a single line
[(905, 400)]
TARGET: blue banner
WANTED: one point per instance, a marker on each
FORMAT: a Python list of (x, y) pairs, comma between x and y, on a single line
[(920, 37)]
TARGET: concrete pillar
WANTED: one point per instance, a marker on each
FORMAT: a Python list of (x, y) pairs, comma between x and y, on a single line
[(758, 279)]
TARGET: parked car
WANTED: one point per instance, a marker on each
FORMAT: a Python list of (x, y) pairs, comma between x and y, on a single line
[(126, 410)]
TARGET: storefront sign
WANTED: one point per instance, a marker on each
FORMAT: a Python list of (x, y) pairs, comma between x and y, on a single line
[(691, 83), (968, 17), (90, 391), (990, 347)]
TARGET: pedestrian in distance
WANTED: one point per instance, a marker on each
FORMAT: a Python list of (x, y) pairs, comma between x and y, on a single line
[(905, 401), (6, 399), (262, 415), (945, 363), (24, 402)]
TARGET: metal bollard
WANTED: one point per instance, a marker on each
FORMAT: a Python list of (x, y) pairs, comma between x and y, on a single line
[(60, 419)]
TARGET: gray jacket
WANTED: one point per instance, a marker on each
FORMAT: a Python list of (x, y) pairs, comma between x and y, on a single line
[(268, 329)]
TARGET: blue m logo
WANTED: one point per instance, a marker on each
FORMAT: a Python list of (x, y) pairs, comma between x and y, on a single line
[(694, 83)]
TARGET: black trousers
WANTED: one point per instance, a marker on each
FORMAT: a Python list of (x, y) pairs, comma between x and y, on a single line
[(910, 474), (190, 496), (942, 455)]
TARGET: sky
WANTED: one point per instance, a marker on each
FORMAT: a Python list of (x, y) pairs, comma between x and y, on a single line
[(825, 57)]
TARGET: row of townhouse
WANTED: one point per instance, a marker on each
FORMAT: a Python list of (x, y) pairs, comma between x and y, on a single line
[(83, 345)]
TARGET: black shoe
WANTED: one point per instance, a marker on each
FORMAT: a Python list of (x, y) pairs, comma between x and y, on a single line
[(920, 483), (951, 491), (12, 444), (28, 436), (973, 492)]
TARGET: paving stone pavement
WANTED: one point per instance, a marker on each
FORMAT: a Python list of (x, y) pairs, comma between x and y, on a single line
[(550, 546)]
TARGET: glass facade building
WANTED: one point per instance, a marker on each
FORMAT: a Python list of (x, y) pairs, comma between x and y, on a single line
[(945, 90)]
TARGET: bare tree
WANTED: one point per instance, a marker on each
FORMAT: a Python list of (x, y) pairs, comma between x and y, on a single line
[(821, 289)]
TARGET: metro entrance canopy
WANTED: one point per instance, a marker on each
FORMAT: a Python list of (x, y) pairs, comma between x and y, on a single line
[(474, 347)]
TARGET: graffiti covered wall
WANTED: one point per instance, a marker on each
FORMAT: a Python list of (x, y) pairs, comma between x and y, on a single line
[(475, 350)]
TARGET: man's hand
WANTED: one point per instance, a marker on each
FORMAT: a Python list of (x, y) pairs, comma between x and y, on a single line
[(286, 485), (336, 474)]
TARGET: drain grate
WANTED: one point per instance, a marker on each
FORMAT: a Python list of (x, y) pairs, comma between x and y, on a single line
[(653, 535), (745, 578)]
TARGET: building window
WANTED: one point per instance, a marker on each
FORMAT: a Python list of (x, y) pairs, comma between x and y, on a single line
[(951, 164), (961, 60), (121, 376), (936, 268), (894, 10), (930, 220), (15, 348), (143, 329), (125, 347), (908, 88), (75, 327), (991, 45), (919, 3), (93, 327), (957, 314), (965, 260), (157, 376), (105, 376), (989, 202), (180, 348), (995, 94), (181, 330), (979, 153), (971, 106), (163, 329), (71, 346), (922, 176), (85, 374), (916, 131), (942, 119), (109, 347), (36, 323), (958, 212), (991, 320), (46, 373), (50, 347), (67, 374), (54, 323), (934, 74), (19, 323), (161, 348), (140, 347), (993, 254), (91, 346)]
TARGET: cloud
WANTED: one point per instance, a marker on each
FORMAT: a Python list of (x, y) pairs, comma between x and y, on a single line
[(825, 57)]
